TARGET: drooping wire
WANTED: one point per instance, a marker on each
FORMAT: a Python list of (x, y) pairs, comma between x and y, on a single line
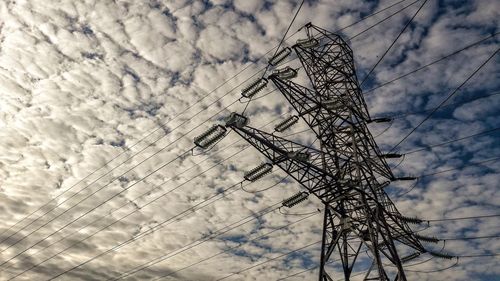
[(263, 212), (141, 140), (464, 218), (150, 231), (140, 196), (165, 135), (392, 44), (147, 192), (453, 140), (270, 260), (431, 63), (277, 49), (297, 214), (102, 187), (264, 189), (141, 162), (458, 168), (445, 100), (436, 270), (212, 256)]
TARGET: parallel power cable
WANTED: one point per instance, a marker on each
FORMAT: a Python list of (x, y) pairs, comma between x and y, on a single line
[(379, 11), (102, 187), (459, 168), (152, 230), (464, 218), (139, 208), (453, 140), (189, 120), (277, 49), (192, 245), (117, 246), (445, 100), (469, 238), (402, 115), (269, 260), (432, 63), (242, 83), (100, 218), (384, 19), (116, 178), (392, 44), (446, 171), (262, 213), (75, 194), (139, 141)]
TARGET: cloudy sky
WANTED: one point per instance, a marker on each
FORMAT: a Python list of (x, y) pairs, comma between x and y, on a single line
[(103, 98)]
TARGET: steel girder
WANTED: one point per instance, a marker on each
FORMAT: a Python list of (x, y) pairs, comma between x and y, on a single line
[(344, 173)]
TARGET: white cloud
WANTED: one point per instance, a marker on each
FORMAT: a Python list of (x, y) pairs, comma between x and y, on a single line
[(80, 81)]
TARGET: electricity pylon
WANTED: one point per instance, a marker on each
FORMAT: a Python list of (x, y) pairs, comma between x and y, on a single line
[(347, 173)]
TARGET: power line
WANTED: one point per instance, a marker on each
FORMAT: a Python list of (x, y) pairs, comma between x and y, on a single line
[(132, 167), (277, 49), (445, 100), (392, 44), (465, 218), (139, 208), (140, 140), (263, 212), (269, 260), (447, 105), (164, 257), (470, 238), (91, 194), (141, 162), (386, 18), (459, 168), (141, 151), (431, 63), (143, 194), (152, 230), (454, 140)]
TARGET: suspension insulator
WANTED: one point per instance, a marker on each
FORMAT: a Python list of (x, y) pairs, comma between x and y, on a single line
[(410, 257), (280, 56), (380, 120), (299, 156), (427, 238), (442, 255), (295, 199), (258, 172), (412, 220), (333, 104), (236, 120), (404, 179), (391, 155), (384, 184), (252, 89), (294, 155), (285, 73), (210, 137), (348, 182), (287, 123), (308, 42)]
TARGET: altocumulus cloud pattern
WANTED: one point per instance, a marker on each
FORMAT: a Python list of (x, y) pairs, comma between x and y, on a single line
[(100, 102)]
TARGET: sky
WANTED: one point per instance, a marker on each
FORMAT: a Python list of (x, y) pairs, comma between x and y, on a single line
[(102, 99)]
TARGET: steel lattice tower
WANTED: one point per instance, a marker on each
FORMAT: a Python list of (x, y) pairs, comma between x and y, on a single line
[(348, 173)]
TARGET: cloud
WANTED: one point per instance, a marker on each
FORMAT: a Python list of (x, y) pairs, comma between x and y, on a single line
[(82, 83)]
